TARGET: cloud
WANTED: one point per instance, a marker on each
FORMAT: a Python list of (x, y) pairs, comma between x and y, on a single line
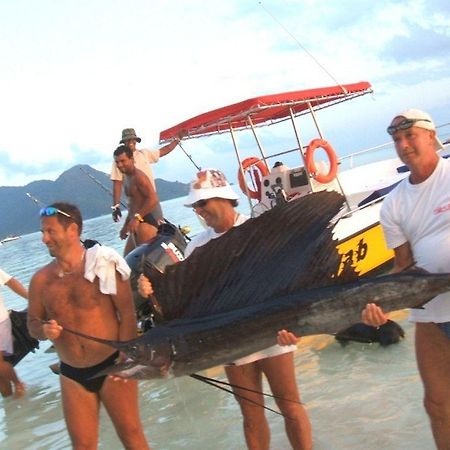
[(75, 74)]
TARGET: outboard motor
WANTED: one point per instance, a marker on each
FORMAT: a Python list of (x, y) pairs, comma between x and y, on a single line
[(165, 249)]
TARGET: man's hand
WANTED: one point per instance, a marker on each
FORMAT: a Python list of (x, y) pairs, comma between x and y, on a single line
[(116, 213), (124, 232), (52, 330), (373, 315), (144, 285), (286, 338)]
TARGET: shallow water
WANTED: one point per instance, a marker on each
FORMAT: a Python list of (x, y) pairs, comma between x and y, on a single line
[(361, 396)]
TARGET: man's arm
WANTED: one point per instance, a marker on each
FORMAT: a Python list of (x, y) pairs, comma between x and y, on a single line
[(117, 191), (403, 258), (163, 151), (123, 302), (17, 287), (37, 324), (372, 314)]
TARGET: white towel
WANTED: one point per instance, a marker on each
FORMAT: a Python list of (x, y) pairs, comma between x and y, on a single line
[(103, 262)]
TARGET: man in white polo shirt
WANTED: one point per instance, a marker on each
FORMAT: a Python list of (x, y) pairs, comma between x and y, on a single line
[(416, 222)]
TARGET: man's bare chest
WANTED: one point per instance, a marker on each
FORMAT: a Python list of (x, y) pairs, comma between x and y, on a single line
[(71, 294)]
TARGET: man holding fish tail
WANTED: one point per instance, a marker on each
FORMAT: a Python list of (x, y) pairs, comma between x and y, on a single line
[(416, 221), (213, 199), (87, 291)]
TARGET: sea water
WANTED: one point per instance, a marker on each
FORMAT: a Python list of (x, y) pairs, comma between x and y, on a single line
[(361, 396)]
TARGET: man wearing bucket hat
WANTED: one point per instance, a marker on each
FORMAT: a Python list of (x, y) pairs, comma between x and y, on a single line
[(416, 222), (213, 199), (142, 159)]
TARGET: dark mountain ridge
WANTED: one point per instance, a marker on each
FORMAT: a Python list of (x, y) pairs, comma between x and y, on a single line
[(88, 188)]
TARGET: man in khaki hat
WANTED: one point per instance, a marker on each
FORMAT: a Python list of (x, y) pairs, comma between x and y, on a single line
[(416, 222), (213, 199), (142, 159)]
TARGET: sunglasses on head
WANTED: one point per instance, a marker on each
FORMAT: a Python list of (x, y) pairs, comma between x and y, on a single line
[(52, 211), (200, 204), (404, 125)]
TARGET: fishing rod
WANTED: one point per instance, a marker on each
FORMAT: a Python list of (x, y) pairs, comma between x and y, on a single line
[(189, 156), (98, 182), (302, 47), (35, 200), (212, 382)]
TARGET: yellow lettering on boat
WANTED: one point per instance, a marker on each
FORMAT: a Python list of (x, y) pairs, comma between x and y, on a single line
[(365, 251)]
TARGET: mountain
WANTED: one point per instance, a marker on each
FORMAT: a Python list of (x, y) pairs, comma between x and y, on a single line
[(82, 185)]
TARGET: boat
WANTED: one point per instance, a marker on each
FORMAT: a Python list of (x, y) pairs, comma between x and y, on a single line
[(357, 229), (9, 238)]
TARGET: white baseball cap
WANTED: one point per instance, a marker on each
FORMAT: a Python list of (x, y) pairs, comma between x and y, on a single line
[(210, 183), (420, 119)]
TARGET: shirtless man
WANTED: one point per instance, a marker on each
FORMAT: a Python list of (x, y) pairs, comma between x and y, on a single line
[(62, 296), (143, 159), (144, 210)]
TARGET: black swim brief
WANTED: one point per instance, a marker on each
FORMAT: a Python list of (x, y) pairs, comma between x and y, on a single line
[(154, 217), (82, 375)]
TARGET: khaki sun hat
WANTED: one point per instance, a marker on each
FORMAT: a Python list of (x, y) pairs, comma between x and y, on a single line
[(127, 134)]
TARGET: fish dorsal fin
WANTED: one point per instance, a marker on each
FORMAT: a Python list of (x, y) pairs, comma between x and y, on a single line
[(288, 247)]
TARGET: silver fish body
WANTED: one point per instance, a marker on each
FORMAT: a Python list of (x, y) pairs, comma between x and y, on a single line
[(185, 346)]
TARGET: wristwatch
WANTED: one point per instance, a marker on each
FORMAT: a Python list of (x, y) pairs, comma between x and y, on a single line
[(139, 217)]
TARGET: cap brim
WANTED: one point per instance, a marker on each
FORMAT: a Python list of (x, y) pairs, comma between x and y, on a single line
[(225, 192)]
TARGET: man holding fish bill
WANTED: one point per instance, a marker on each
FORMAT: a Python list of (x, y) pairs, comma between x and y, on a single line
[(214, 200), (86, 290), (416, 221)]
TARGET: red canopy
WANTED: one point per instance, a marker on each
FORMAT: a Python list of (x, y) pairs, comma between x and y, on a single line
[(265, 110)]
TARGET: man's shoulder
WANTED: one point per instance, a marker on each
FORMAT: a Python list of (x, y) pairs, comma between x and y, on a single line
[(147, 151), (198, 240), (42, 274)]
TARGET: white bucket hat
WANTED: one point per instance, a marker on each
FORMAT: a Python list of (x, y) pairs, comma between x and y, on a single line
[(210, 183), (422, 120)]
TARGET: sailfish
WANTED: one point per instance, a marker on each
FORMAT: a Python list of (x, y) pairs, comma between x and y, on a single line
[(276, 271)]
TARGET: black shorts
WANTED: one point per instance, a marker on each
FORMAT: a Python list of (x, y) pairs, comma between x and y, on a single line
[(154, 217), (82, 375)]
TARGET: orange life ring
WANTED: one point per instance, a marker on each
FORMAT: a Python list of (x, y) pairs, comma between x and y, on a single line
[(259, 170), (311, 166)]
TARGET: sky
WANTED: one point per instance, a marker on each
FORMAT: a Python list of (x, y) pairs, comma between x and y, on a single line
[(74, 73)]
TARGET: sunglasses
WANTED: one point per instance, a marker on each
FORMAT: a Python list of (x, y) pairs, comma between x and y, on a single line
[(52, 211), (404, 125), (199, 204)]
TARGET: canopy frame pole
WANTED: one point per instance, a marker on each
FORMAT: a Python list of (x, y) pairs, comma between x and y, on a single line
[(313, 115), (300, 147), (238, 156), (258, 143)]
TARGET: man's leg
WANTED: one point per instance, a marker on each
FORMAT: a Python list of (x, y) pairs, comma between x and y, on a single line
[(81, 410), (256, 428), (121, 402), (280, 373), (433, 360), (146, 233)]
